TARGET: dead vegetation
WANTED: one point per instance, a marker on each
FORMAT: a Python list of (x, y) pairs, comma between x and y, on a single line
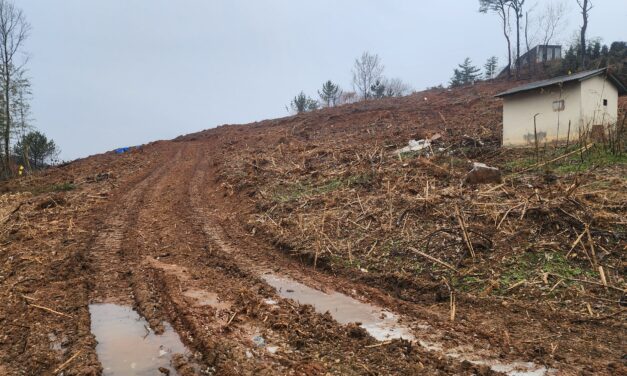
[(333, 191)]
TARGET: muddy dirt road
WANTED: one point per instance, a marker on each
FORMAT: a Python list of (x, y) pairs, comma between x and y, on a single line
[(146, 266)]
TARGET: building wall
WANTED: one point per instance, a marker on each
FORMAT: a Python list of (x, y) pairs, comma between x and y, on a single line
[(543, 53), (519, 110), (593, 91)]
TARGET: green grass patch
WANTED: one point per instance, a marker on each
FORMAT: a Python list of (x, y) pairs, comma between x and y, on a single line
[(467, 283), (519, 164), (596, 156), (530, 264), (306, 188), (60, 187)]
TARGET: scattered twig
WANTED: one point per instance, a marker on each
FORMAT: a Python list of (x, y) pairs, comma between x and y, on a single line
[(462, 224), (231, 320), (445, 264), (66, 363), (617, 313), (378, 344), (516, 284), (590, 282), (49, 310)]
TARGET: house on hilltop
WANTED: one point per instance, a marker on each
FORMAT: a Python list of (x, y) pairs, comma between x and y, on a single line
[(541, 53), (562, 107)]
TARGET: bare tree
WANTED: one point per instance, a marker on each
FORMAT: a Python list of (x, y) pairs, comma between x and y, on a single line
[(517, 7), (586, 6), (20, 110), (366, 71), (550, 21), (527, 36), (543, 28), (13, 32), (501, 8), (347, 97), (395, 87)]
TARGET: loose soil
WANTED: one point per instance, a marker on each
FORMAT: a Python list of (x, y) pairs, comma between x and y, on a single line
[(529, 277)]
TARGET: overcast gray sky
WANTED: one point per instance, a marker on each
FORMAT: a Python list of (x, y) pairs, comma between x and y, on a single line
[(112, 73)]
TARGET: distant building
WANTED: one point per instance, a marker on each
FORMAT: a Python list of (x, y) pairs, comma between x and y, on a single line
[(577, 101), (541, 53)]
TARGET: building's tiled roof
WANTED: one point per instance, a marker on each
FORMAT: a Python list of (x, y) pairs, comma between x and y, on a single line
[(562, 79)]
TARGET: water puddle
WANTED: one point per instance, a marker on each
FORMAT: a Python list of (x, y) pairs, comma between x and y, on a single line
[(379, 323), (126, 345), (384, 325)]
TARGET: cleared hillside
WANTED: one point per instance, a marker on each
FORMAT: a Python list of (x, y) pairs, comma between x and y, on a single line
[(483, 276)]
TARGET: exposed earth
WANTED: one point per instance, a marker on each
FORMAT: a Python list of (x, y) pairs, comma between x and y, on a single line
[(224, 236)]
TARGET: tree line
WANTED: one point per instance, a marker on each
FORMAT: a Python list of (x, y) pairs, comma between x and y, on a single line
[(20, 143), (542, 29), (518, 14), (368, 81)]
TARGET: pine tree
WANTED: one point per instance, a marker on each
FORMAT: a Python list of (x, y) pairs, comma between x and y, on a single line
[(466, 74), (303, 103), (490, 67), (457, 79), (330, 93)]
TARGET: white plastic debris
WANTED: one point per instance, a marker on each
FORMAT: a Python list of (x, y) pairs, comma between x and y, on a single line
[(414, 145)]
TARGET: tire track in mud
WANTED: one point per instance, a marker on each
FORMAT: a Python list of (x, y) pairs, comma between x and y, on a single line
[(167, 231), (297, 339), (108, 254), (223, 335)]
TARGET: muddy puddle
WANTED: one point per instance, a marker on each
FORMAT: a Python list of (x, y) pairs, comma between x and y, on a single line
[(126, 345), (384, 325), (379, 323)]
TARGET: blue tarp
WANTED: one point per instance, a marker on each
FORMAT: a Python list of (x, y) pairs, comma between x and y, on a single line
[(126, 149)]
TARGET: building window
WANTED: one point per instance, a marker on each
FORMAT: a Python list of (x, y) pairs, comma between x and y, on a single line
[(558, 105), (605, 102)]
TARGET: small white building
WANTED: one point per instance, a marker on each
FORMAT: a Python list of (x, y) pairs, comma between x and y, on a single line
[(562, 107)]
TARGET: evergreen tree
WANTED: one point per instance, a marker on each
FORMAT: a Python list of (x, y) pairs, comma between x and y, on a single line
[(37, 148), (330, 93), (303, 103), (457, 79), (490, 67), (466, 74), (570, 62)]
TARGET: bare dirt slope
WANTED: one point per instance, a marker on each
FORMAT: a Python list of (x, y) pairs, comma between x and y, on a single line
[(186, 232)]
